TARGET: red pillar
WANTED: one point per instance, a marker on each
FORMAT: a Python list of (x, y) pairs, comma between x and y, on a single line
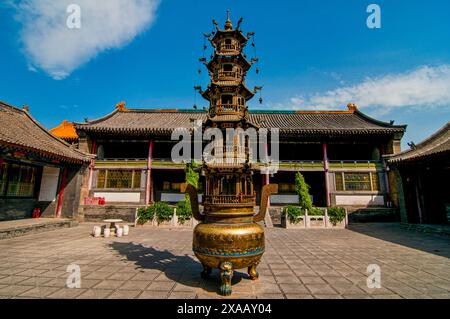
[(92, 165), (62, 187), (148, 184), (325, 168)]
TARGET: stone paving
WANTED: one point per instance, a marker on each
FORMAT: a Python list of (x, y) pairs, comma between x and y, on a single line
[(159, 263)]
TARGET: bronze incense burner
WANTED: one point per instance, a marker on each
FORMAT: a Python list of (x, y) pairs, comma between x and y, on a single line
[(228, 236)]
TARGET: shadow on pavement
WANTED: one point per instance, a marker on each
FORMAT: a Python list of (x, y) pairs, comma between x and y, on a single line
[(392, 232), (182, 269)]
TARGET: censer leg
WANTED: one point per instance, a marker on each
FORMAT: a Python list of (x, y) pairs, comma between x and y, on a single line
[(206, 271), (252, 272), (226, 274)]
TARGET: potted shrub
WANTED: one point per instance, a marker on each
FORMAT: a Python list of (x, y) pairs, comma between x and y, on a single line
[(145, 214), (315, 218), (184, 212), (337, 217), (163, 213), (293, 217)]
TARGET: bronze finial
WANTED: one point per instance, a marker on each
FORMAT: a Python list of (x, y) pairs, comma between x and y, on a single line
[(228, 24)]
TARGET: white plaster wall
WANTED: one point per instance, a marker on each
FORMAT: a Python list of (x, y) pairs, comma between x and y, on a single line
[(284, 199), (120, 197), (176, 197), (356, 200)]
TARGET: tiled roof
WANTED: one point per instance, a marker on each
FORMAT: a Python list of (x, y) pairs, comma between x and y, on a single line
[(65, 130), (19, 130), (162, 122), (436, 144)]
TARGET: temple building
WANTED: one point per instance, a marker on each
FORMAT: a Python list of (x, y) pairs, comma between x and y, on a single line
[(422, 175), (340, 153), (38, 171)]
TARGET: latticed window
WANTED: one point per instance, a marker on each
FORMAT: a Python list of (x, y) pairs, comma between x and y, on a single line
[(117, 179), (352, 181), (339, 181), (17, 180), (375, 181), (101, 178), (357, 181), (137, 179)]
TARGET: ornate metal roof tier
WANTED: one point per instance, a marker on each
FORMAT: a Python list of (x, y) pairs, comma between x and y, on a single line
[(20, 131), (238, 59), (217, 89)]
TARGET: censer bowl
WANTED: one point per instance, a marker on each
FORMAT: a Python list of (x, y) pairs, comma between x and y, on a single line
[(241, 244)]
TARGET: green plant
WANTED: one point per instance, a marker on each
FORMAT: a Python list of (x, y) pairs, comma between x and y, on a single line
[(314, 211), (162, 211), (336, 214), (302, 189), (145, 214), (192, 178), (184, 211), (293, 212)]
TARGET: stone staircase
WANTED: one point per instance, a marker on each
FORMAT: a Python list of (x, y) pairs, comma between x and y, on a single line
[(372, 214), (275, 215), (16, 228)]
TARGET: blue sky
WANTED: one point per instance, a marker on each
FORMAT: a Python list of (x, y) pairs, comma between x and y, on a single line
[(313, 54)]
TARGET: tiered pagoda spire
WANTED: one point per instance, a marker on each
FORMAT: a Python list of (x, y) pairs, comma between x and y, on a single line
[(227, 92)]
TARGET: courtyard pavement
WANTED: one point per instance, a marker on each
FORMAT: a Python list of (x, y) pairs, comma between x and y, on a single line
[(159, 263)]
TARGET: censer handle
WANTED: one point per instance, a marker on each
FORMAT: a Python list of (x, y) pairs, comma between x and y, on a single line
[(265, 193), (193, 196)]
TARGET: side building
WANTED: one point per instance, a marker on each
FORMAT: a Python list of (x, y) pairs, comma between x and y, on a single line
[(422, 175), (37, 169), (340, 153)]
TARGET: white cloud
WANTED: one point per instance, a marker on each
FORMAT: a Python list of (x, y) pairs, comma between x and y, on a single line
[(51, 46), (424, 87)]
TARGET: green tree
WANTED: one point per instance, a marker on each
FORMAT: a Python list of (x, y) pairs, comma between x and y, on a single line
[(184, 210), (302, 190)]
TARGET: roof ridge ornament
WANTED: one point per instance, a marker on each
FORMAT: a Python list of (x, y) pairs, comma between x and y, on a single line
[(352, 107), (121, 106)]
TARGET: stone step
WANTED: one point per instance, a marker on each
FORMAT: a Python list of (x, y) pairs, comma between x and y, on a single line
[(275, 215), (16, 228), (372, 214)]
